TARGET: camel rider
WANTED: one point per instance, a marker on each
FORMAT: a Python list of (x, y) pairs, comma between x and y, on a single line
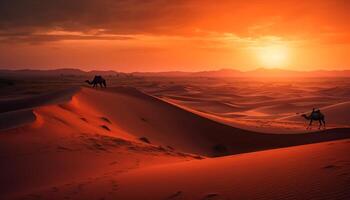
[(315, 112)]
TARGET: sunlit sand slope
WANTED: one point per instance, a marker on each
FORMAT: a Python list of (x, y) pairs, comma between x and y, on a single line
[(316, 171), (162, 123)]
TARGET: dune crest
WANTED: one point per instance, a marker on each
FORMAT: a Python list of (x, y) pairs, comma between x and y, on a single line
[(142, 115), (93, 133), (18, 112)]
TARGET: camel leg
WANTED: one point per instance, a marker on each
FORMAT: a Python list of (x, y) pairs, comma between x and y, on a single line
[(324, 123), (319, 127), (310, 124)]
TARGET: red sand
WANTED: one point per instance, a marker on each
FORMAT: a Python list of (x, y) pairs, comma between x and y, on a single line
[(317, 171), (86, 145)]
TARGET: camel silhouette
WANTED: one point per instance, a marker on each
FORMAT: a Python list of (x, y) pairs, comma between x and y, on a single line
[(315, 116), (97, 80)]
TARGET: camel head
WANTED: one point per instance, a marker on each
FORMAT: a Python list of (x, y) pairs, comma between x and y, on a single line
[(87, 81), (305, 116)]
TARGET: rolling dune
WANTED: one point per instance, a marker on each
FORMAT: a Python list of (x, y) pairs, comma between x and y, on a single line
[(65, 142), (274, 174), (85, 136), (168, 125), (335, 114)]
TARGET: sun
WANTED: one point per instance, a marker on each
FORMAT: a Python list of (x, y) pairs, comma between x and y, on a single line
[(273, 56)]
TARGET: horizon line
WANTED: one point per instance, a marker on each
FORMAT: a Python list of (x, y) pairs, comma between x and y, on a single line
[(174, 71)]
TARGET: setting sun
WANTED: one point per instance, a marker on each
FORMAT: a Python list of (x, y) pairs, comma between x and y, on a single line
[(273, 56)]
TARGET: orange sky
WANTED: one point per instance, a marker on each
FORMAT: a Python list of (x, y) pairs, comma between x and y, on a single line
[(187, 35)]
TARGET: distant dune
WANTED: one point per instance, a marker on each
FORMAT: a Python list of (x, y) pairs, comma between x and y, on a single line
[(257, 73), (56, 72), (54, 97)]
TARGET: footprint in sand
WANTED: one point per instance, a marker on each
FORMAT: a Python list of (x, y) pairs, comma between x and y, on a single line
[(106, 120), (176, 195), (61, 121), (144, 119), (211, 196), (84, 119), (65, 107), (63, 148), (144, 139), (332, 167), (105, 127), (170, 147)]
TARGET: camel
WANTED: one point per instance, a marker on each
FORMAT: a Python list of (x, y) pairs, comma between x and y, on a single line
[(97, 80), (315, 116)]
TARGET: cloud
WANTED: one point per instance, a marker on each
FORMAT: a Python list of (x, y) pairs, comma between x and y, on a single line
[(51, 36), (21, 20), (26, 17), (127, 16)]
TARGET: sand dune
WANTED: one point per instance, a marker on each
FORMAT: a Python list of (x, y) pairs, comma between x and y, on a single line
[(19, 111), (335, 114), (317, 171), (143, 115), (68, 142), (77, 137), (209, 106), (15, 119), (136, 114), (338, 113), (37, 100), (266, 106)]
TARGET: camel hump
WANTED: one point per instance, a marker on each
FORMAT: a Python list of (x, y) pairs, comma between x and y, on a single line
[(317, 114), (98, 78)]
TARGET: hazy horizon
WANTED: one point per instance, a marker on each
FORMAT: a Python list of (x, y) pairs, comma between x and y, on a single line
[(165, 71)]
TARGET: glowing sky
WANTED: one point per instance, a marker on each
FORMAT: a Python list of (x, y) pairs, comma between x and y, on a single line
[(187, 35)]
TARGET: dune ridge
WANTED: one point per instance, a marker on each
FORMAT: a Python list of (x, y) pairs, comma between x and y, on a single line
[(18, 112), (38, 100), (92, 134), (143, 115), (335, 114), (265, 175)]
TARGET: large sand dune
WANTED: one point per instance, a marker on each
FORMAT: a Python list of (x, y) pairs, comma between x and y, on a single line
[(143, 115), (317, 171), (68, 138)]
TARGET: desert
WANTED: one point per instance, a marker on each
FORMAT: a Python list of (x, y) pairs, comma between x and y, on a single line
[(174, 100), (173, 138)]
